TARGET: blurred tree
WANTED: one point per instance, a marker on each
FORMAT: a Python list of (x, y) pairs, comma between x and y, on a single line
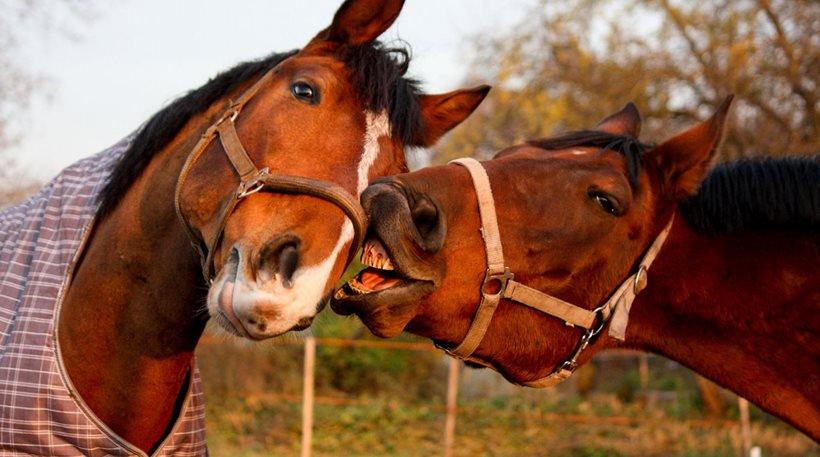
[(18, 84), (568, 64)]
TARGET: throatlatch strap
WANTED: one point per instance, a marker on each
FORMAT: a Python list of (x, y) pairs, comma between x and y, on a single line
[(621, 301)]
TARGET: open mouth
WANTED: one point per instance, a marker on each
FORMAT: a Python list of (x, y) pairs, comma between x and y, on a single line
[(382, 281), (379, 275)]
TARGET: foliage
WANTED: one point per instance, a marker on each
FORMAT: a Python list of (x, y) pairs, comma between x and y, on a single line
[(18, 84), (569, 64)]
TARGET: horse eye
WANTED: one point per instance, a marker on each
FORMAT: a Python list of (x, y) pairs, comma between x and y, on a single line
[(304, 92), (606, 203)]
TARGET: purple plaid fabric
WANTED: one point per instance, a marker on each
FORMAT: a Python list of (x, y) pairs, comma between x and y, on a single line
[(40, 413)]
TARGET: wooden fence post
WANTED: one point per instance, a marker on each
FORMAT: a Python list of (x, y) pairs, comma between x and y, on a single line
[(452, 403), (745, 426), (643, 371), (307, 396)]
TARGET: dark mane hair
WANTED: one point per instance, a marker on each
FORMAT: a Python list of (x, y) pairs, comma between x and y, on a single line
[(758, 194), (377, 74), (631, 148)]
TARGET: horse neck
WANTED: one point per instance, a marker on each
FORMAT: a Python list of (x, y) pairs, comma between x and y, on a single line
[(135, 310), (739, 309)]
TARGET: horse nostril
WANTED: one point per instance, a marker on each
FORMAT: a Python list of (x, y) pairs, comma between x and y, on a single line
[(428, 222), (288, 261), (280, 258), (425, 216)]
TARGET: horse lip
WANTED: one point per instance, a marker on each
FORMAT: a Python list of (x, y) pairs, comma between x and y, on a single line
[(227, 318), (226, 324), (364, 304)]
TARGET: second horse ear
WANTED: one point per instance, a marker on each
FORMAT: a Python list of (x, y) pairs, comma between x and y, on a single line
[(684, 159), (627, 122), (358, 22), (440, 113)]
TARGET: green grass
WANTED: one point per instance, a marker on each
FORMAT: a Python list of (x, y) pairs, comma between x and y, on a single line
[(374, 402), (390, 427)]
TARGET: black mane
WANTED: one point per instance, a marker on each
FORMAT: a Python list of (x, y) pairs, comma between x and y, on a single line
[(378, 74), (758, 193), (631, 148)]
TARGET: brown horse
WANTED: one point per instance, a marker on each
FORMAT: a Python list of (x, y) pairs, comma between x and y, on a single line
[(339, 110), (733, 293)]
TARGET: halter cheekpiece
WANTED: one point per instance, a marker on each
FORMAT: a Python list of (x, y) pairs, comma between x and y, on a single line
[(253, 180), (499, 283)]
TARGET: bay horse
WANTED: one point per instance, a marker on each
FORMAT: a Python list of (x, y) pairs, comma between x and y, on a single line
[(261, 169), (724, 263)]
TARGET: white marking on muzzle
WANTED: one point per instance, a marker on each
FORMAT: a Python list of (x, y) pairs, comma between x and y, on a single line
[(309, 282)]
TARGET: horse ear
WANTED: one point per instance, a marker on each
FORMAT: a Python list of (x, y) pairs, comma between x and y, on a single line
[(359, 22), (684, 159), (627, 122), (440, 113)]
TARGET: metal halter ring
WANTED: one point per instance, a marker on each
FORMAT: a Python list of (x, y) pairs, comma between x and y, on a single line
[(502, 278)]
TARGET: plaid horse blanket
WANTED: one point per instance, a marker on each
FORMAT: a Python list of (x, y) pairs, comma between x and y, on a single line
[(40, 411)]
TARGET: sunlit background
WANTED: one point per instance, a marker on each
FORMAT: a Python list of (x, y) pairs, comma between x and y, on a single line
[(105, 67), (78, 75)]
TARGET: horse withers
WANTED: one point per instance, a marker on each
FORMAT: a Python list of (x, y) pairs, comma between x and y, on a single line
[(529, 263), (104, 299)]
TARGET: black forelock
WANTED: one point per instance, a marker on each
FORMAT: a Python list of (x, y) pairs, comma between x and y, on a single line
[(379, 74), (631, 148)]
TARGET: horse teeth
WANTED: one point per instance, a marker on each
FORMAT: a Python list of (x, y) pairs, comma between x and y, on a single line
[(340, 294), (374, 255), (358, 287)]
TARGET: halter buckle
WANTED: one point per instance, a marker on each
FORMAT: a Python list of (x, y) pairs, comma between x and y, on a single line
[(254, 184), (496, 279)]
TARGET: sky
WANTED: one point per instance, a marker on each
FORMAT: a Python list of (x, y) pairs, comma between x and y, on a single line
[(134, 56)]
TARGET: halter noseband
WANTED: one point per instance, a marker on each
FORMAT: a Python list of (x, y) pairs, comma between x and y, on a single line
[(498, 283), (252, 180)]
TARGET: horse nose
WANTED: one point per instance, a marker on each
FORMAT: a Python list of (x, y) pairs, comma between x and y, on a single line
[(279, 258), (396, 206)]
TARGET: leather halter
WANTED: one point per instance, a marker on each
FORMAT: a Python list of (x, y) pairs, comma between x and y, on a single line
[(498, 283), (252, 180)]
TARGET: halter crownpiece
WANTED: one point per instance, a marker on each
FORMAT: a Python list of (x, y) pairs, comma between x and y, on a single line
[(253, 180), (498, 283)]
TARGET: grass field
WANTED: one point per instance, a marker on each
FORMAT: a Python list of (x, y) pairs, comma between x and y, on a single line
[(262, 427), (391, 403)]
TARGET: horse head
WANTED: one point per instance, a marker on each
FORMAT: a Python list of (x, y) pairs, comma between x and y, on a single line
[(339, 111), (575, 214)]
